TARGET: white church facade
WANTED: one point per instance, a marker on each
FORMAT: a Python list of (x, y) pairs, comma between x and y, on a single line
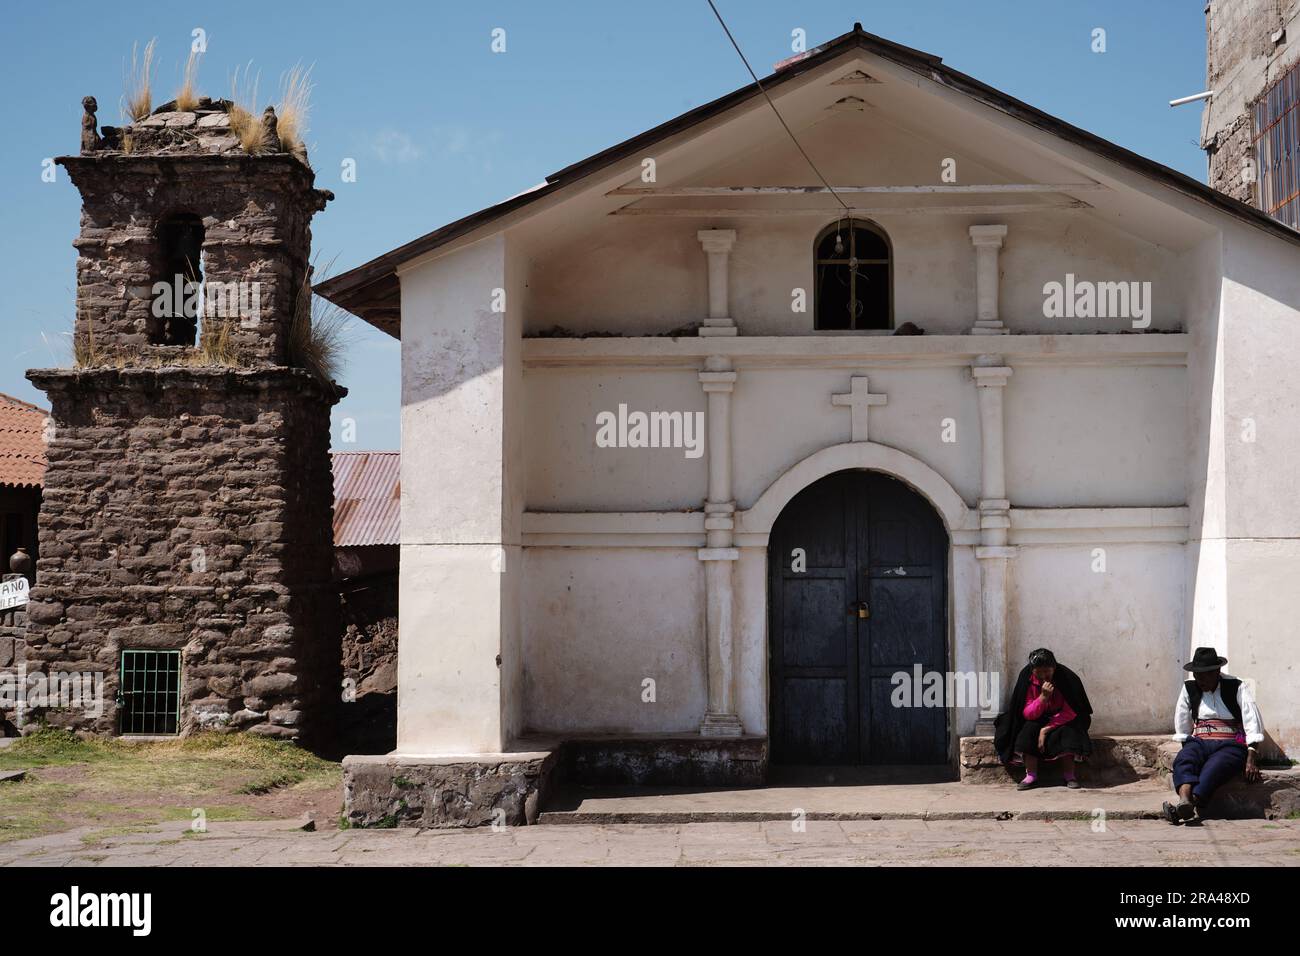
[(676, 463)]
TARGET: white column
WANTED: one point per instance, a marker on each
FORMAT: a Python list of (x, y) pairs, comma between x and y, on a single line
[(718, 244), (719, 555), (993, 551), (987, 241)]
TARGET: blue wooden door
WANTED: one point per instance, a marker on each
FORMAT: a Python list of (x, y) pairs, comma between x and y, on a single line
[(857, 593)]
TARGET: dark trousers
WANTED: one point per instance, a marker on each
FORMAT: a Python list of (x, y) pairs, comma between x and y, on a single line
[(1208, 764)]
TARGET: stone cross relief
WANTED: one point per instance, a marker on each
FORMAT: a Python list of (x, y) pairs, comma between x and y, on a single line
[(859, 400)]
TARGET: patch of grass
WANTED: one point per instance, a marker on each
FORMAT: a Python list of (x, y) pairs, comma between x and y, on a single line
[(218, 347), (139, 82), (34, 807), (96, 836), (187, 97), (292, 113), (218, 813), (318, 335), (49, 747), (272, 781), (244, 121), (173, 777)]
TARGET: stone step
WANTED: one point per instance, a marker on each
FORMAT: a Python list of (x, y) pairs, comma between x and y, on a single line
[(1122, 760), (1114, 760)]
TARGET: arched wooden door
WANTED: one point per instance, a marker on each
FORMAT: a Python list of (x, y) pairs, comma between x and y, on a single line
[(867, 600)]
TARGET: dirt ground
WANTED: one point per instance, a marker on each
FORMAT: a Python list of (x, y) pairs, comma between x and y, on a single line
[(119, 787)]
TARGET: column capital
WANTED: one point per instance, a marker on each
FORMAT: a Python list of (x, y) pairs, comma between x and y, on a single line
[(718, 381), (988, 235), (987, 376), (718, 240)]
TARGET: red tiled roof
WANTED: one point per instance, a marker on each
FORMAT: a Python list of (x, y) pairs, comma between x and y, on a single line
[(22, 443), (367, 498)]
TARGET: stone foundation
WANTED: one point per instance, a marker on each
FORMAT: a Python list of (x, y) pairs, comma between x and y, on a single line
[(688, 760), (509, 789), (1114, 760), (441, 792)]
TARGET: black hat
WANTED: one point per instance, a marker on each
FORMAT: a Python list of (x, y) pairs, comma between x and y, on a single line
[(1205, 659)]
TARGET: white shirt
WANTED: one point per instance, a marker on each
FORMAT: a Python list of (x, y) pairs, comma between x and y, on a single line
[(1213, 707)]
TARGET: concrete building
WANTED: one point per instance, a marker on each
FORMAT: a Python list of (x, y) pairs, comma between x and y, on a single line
[(677, 482), (1251, 125)]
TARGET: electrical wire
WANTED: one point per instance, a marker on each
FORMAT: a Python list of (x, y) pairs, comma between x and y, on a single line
[(759, 84)]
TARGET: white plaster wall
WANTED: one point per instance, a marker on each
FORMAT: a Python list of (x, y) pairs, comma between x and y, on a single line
[(781, 416), (458, 657), (1263, 630), (1092, 436), (1119, 630), (1261, 316), (1076, 437), (597, 623), (566, 469), (1261, 391)]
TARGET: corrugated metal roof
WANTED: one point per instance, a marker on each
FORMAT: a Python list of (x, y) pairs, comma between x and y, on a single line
[(22, 443), (367, 498)]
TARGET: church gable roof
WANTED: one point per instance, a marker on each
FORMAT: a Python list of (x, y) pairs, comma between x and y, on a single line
[(371, 290)]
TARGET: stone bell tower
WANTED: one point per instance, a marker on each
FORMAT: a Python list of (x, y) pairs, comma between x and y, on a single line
[(185, 540)]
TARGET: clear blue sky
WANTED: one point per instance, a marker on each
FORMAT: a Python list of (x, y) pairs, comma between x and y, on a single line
[(440, 126)]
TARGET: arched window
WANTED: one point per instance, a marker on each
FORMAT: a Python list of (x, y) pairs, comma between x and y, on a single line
[(854, 277), (180, 267)]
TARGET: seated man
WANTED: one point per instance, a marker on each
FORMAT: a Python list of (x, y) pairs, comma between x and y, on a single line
[(1219, 725)]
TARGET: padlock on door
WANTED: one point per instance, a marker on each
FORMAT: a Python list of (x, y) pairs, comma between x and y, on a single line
[(864, 612)]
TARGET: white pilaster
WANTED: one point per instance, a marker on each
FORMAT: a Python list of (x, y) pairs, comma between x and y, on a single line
[(987, 240), (717, 244), (720, 720), (993, 552)]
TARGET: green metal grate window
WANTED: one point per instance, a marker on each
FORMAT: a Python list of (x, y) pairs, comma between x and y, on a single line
[(149, 695)]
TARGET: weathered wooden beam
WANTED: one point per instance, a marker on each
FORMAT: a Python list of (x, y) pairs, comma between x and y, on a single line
[(684, 191), (969, 210)]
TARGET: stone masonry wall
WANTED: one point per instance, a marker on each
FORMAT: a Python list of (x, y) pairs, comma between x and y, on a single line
[(256, 213), (190, 509)]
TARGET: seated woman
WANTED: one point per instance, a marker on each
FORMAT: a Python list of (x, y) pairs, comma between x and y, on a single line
[(1047, 718)]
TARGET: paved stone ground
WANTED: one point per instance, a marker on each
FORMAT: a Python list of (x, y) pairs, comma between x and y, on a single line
[(839, 801), (825, 843)]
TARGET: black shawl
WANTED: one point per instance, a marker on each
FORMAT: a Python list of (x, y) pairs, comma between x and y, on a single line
[(1007, 727)]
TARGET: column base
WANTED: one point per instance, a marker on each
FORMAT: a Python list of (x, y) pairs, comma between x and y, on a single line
[(721, 725), (989, 328), (984, 726)]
